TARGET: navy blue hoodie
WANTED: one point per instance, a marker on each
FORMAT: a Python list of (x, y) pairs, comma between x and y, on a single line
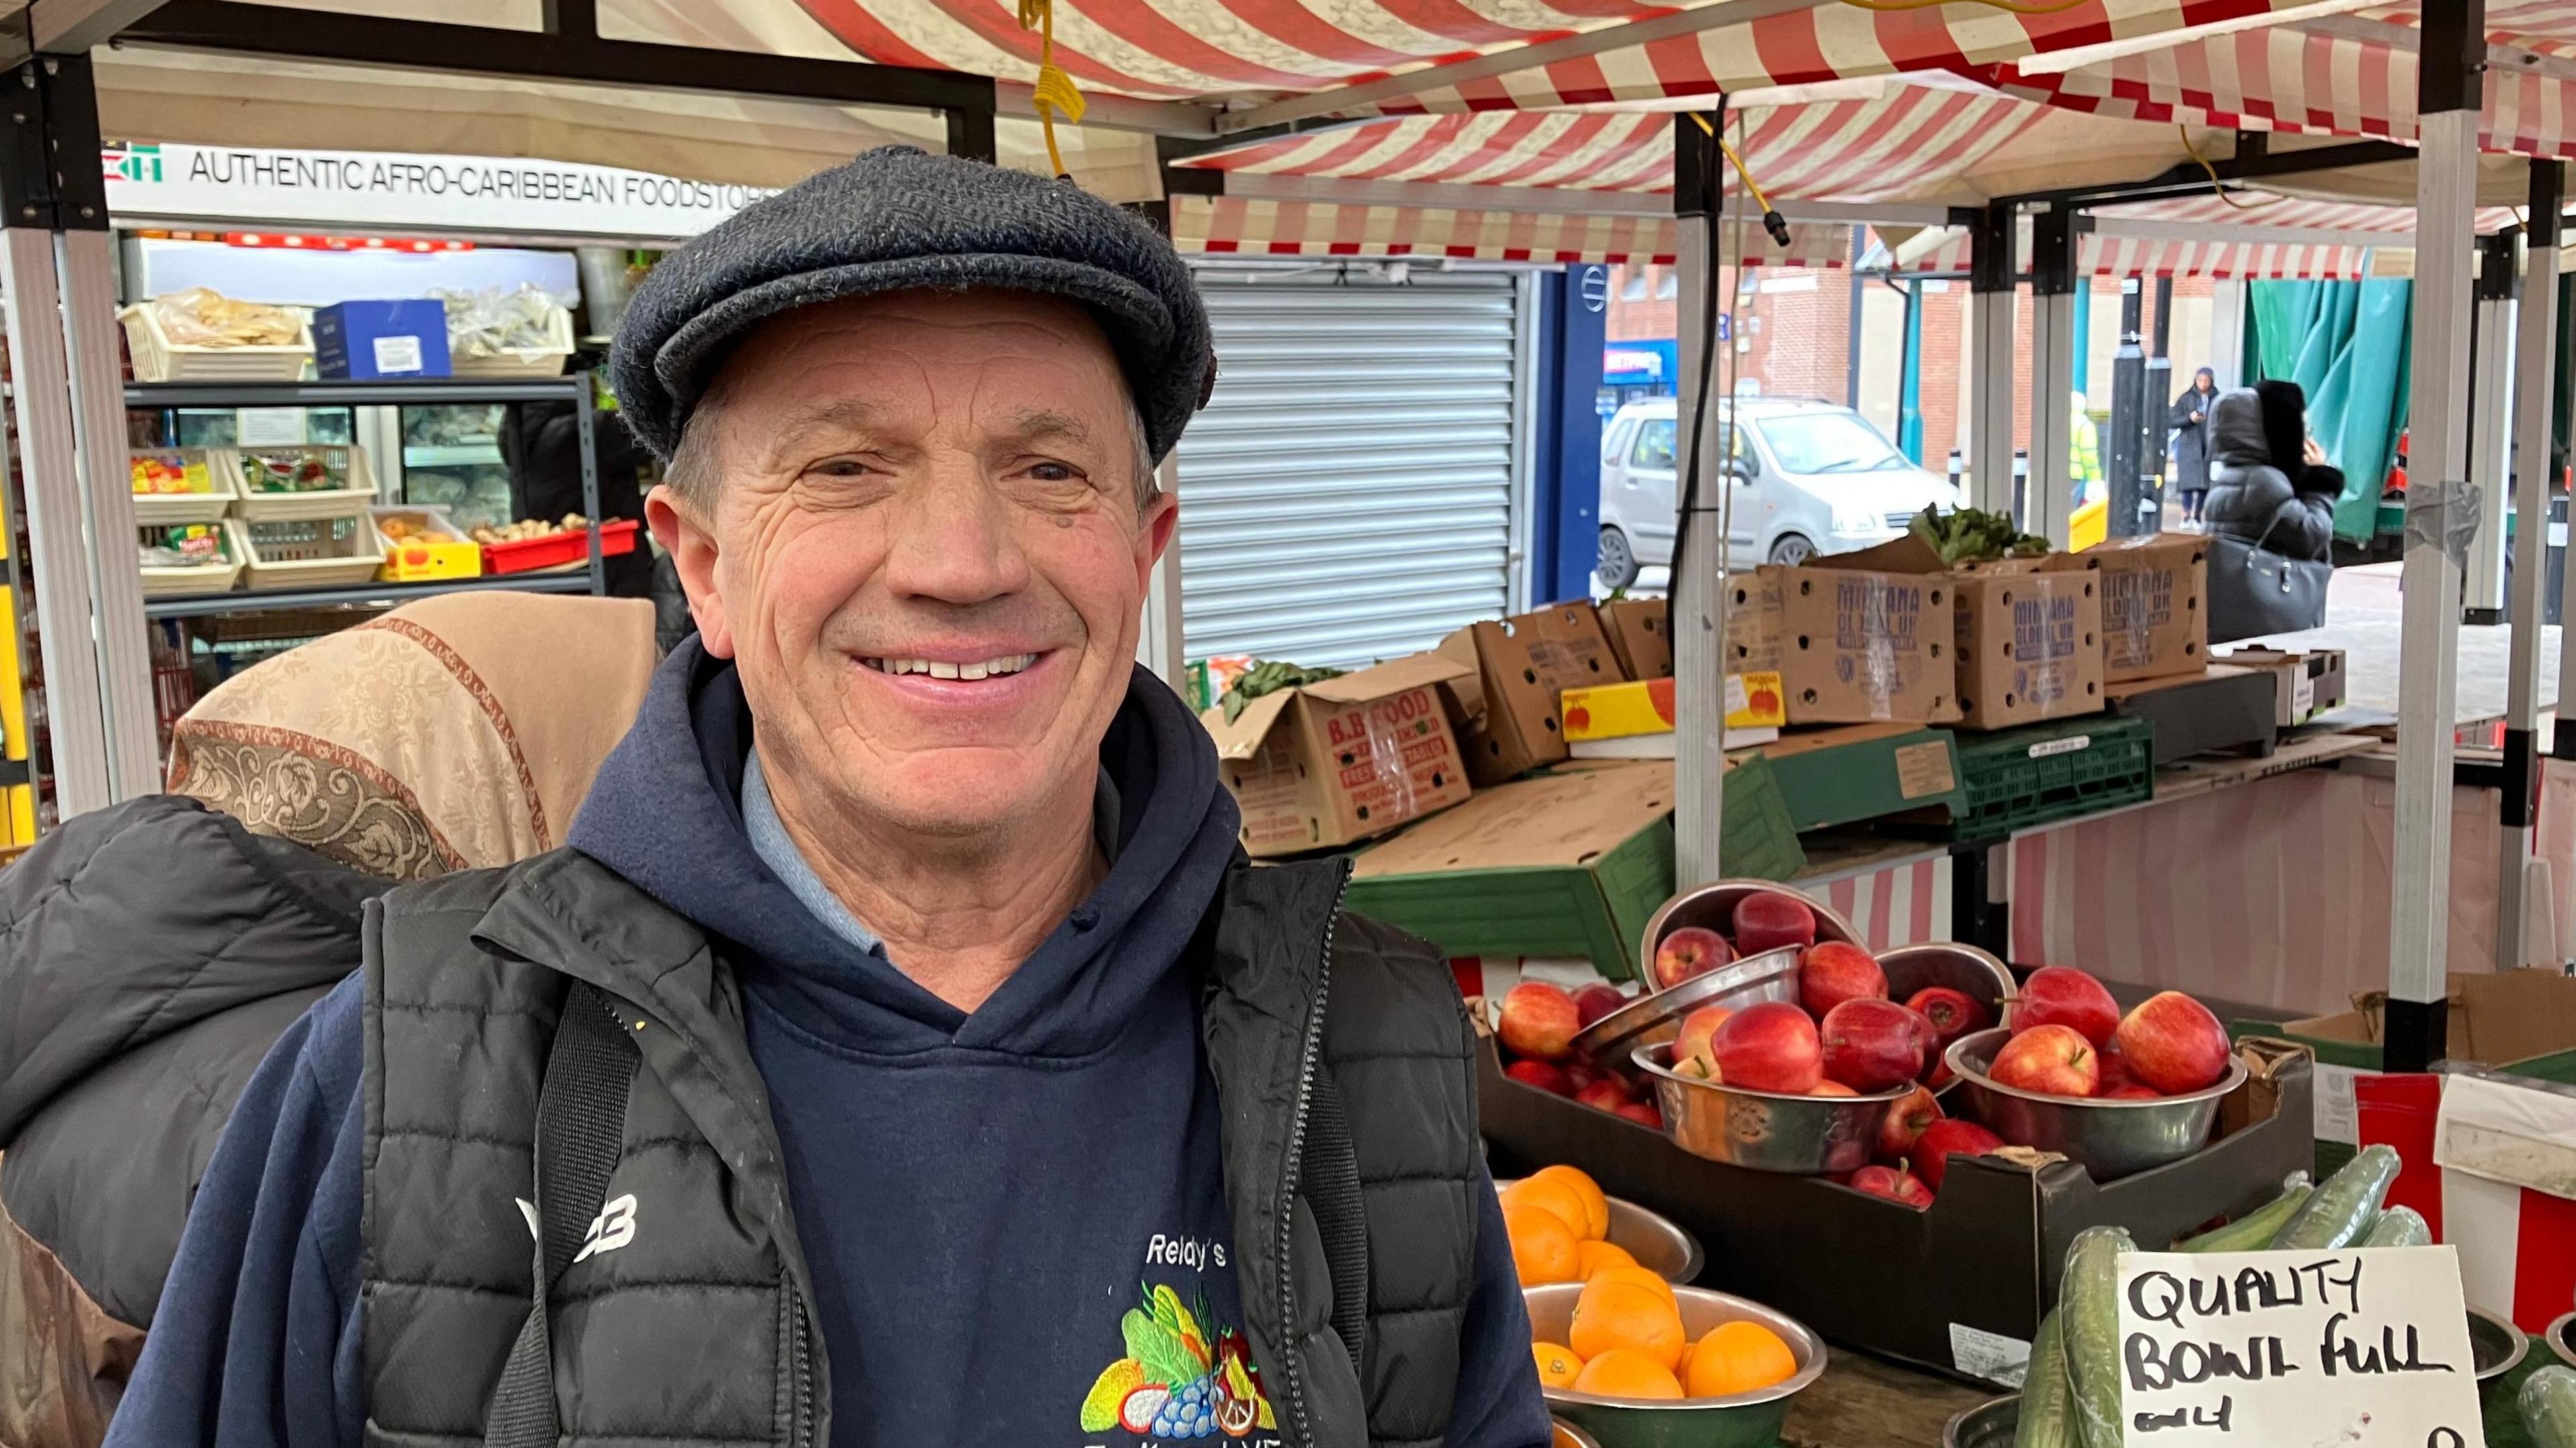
[(1014, 1217)]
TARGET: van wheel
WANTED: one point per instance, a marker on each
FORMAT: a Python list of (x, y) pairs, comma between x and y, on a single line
[(1792, 550), (1617, 563)]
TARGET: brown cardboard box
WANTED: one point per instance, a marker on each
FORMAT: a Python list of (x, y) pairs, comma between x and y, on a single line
[(1506, 717), (1867, 637), (1640, 632), (2155, 618), (1753, 622), (2306, 684), (2495, 1019), (1342, 760), (2030, 640)]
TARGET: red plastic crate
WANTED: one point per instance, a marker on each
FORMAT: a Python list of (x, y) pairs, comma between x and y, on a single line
[(616, 536)]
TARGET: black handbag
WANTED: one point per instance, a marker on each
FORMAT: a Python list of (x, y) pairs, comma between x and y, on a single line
[(2254, 591)]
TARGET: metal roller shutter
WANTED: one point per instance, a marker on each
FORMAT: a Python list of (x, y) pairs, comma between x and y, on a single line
[(1347, 494)]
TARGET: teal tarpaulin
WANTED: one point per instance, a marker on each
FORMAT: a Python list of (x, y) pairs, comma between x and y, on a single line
[(2346, 345)]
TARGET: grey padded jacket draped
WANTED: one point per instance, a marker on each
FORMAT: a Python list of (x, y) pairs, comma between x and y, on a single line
[(2252, 498)]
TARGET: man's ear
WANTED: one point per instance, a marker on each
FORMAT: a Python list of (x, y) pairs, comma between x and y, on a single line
[(692, 546), (1162, 520)]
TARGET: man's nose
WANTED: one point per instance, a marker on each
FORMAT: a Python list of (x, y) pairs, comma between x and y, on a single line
[(953, 539)]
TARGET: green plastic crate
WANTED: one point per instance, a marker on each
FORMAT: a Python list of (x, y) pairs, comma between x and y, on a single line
[(1760, 839), (2016, 779)]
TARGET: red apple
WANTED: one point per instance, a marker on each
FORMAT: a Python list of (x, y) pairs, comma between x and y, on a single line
[(1604, 1095), (1770, 1047), (2128, 1091), (2061, 995), (1831, 1088), (1687, 952), (1895, 1185), (1936, 1074), (2051, 1060), (1542, 1075), (1579, 1073), (1644, 1113), (1905, 1124), (1595, 1001), (1697, 1029), (1539, 1021), (2172, 1043), (1943, 1139), (1952, 1013), (1832, 972), (1873, 1045), (1767, 920)]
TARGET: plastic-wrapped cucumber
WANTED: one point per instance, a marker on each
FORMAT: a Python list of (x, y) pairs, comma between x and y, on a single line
[(2548, 1404), (2399, 1227), (2089, 1303), (2047, 1400), (2342, 1209), (2254, 1231)]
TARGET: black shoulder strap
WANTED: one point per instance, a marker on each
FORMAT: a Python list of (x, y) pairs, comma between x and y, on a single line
[(1328, 1177), (581, 1123)]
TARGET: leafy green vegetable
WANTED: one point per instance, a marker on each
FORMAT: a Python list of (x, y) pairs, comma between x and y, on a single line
[(1971, 535), (1269, 676), (1168, 1361)]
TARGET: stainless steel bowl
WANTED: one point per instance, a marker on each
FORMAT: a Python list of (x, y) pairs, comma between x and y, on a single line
[(1746, 1420), (1762, 1130), (2108, 1138), (1655, 1019), (1990, 1424), (1657, 1242), (1963, 968), (1562, 1434), (1713, 907), (2495, 1345), (2561, 1337)]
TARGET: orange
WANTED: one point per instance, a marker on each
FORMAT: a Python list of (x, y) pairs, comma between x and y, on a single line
[(1738, 1357), (1612, 1314), (1543, 1248), (1596, 1207), (1557, 1365), (1554, 1196), (1622, 1373), (1597, 1255), (1637, 1276)]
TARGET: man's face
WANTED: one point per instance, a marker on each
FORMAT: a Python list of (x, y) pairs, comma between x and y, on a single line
[(921, 546)]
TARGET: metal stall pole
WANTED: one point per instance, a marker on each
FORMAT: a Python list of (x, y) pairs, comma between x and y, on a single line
[(2126, 456), (2535, 385), (2440, 521), (2049, 507), (2491, 401), (1699, 582), (1990, 352)]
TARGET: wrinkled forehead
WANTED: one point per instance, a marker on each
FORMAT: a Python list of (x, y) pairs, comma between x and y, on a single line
[(880, 348)]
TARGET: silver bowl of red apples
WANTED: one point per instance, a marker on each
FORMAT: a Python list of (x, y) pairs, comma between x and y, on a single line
[(1611, 1041), (1746, 917), (2118, 1094)]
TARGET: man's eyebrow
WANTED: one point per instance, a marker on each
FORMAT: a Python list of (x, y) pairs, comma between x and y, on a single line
[(1039, 424), (825, 417)]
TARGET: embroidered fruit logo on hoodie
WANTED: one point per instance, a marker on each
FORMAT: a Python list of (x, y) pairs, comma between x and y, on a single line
[(1178, 1383)]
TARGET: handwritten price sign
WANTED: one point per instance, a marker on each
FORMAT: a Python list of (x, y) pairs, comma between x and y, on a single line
[(2352, 1349)]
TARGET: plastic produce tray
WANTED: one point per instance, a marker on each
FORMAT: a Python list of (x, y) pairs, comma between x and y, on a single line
[(2020, 778), (617, 535)]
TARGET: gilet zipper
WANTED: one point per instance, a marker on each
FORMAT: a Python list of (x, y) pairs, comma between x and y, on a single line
[(1308, 1059)]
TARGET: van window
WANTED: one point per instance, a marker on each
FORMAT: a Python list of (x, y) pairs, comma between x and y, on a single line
[(1614, 442), (1654, 445)]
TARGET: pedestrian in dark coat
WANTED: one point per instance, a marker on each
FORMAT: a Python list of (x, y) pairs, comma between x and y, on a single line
[(2190, 423)]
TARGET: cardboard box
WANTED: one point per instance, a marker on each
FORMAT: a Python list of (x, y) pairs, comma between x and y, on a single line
[(1868, 637), (2306, 685), (1959, 1287), (2220, 707), (2155, 615), (2029, 634), (1570, 863), (1753, 622), (371, 341), (1862, 771), (1343, 760), (1640, 633), (1505, 712), (1636, 720)]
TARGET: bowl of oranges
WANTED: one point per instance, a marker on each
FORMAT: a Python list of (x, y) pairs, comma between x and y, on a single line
[(1597, 1230)]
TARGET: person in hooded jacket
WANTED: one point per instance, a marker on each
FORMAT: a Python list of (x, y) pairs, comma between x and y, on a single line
[(904, 1050), (156, 951), (2269, 481), (2189, 420)]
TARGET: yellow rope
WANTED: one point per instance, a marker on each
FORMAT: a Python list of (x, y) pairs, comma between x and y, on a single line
[(1055, 91), (2214, 183)]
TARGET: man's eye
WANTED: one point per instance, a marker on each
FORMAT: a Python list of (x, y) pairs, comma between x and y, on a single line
[(840, 468), (1053, 472)]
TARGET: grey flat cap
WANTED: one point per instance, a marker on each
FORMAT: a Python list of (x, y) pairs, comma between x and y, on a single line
[(899, 219)]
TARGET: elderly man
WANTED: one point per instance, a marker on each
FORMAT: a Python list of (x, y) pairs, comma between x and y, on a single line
[(903, 1052)]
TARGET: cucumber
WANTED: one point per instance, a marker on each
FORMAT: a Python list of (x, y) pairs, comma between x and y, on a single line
[(2399, 1227), (2342, 1209), (2089, 1300), (2254, 1231), (2548, 1404), (2047, 1401)]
